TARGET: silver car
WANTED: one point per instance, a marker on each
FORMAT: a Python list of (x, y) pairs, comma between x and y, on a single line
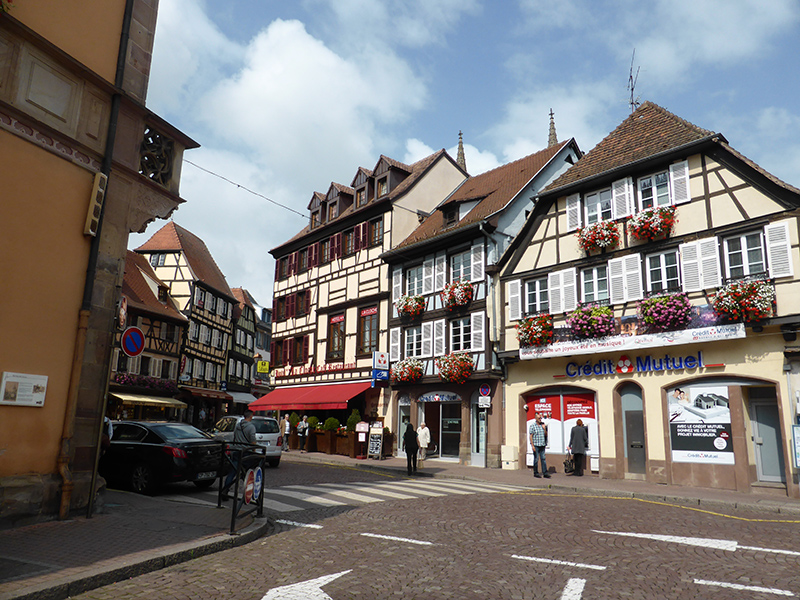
[(268, 434)]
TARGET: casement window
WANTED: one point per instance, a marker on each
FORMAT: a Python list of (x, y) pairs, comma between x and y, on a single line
[(594, 284), (283, 268), (663, 272), (216, 338), (349, 242), (667, 187), (300, 350), (193, 331), (460, 334), (336, 337), (211, 372), (314, 219), (413, 341), (250, 341), (211, 302), (158, 260), (361, 197), (598, 206), (536, 298), (199, 369), (276, 353), (414, 281), (280, 309), (302, 260), (376, 232), (199, 297), (461, 266), (166, 369), (325, 251), (204, 334), (302, 303), (383, 187), (331, 211), (744, 255), (625, 279), (368, 330), (169, 332), (562, 291)]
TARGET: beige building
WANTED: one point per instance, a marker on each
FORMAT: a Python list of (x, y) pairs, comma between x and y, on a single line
[(675, 342)]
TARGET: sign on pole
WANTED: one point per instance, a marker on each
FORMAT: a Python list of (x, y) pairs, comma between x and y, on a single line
[(132, 341)]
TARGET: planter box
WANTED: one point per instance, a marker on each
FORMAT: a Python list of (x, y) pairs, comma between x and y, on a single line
[(343, 444), (311, 441), (326, 441)]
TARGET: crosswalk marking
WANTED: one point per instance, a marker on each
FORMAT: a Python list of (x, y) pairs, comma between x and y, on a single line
[(381, 492), (296, 495), (338, 493)]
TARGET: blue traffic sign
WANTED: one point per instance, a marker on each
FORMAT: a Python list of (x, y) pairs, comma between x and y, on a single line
[(132, 341), (380, 374), (257, 483)]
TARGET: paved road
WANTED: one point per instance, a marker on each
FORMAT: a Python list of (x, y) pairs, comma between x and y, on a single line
[(452, 539)]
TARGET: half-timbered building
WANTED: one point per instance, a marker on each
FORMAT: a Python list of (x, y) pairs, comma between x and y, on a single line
[(241, 350)]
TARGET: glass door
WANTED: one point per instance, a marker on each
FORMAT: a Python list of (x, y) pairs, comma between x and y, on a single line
[(451, 428), (403, 417), (479, 415)]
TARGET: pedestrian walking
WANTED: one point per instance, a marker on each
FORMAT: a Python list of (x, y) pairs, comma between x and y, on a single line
[(287, 429), (538, 434), (424, 439), (411, 447), (578, 445), (244, 434), (302, 433)]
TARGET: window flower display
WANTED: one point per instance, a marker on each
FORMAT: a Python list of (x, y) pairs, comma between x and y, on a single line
[(407, 370), (591, 321), (5, 5), (652, 223), (669, 312), (603, 235), (458, 293), (744, 300), (535, 331), (410, 306), (146, 382), (455, 367)]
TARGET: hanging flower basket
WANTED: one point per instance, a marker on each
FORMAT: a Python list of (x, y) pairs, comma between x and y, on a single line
[(410, 306), (652, 223), (407, 370), (744, 301), (458, 293), (591, 321), (535, 331), (455, 367), (603, 235), (5, 5), (669, 312), (146, 382)]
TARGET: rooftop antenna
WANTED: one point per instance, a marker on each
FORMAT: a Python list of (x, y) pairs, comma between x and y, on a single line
[(632, 79)]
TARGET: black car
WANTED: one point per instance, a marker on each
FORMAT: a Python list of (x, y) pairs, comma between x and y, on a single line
[(144, 455)]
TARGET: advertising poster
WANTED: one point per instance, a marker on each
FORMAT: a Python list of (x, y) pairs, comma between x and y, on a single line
[(560, 412), (581, 406), (700, 425)]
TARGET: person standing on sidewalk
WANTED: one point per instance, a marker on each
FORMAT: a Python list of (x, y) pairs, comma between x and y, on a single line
[(302, 433), (424, 438), (578, 445), (287, 429), (411, 447), (244, 434), (538, 435)]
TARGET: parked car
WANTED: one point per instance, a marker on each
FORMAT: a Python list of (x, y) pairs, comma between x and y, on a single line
[(268, 434), (145, 455)]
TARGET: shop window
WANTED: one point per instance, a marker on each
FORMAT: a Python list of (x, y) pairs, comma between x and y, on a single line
[(663, 272), (595, 284), (744, 255), (461, 266), (336, 338), (368, 330), (414, 281)]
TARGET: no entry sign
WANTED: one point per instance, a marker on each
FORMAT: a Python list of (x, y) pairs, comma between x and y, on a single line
[(132, 341)]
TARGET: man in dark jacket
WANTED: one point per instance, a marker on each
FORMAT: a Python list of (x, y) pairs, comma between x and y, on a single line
[(578, 445)]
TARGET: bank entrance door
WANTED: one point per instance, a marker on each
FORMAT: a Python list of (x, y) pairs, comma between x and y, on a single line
[(767, 440), (444, 421), (403, 417), (479, 416), (633, 426)]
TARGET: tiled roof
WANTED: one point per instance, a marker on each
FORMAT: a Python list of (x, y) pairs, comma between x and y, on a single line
[(242, 296), (139, 294), (366, 172), (648, 131), (343, 189), (495, 189), (395, 163), (173, 238)]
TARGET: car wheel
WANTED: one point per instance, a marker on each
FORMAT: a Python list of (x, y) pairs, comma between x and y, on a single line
[(205, 483), (274, 462), (143, 480)]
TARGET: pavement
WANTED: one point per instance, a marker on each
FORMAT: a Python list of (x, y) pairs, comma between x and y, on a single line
[(132, 534)]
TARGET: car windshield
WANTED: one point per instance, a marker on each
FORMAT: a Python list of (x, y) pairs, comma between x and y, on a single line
[(265, 425), (179, 431)]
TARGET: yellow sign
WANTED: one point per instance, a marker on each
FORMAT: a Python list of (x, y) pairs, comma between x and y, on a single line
[(263, 366)]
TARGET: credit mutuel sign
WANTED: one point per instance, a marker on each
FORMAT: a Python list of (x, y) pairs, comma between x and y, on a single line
[(639, 364)]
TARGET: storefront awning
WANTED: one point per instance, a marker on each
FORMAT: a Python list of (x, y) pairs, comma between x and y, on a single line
[(331, 396), (147, 400), (206, 393), (242, 397)]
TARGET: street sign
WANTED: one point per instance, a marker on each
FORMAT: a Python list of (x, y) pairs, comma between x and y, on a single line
[(262, 366), (381, 375), (249, 486), (132, 341), (485, 389), (380, 361), (259, 480), (484, 401)]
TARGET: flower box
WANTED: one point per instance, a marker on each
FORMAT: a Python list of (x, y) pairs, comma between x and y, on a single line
[(325, 441), (535, 331), (668, 312), (407, 370), (410, 306), (455, 367), (456, 294), (744, 300), (603, 235), (591, 321), (652, 223)]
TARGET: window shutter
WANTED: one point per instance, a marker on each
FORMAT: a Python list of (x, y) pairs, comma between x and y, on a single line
[(427, 276), (616, 280), (573, 212), (198, 296), (397, 283), (162, 330), (439, 337), (554, 290), (365, 241), (779, 252), (569, 287), (203, 330), (134, 365), (155, 367), (225, 341), (357, 240), (115, 360), (440, 272), (196, 368), (305, 348), (336, 246), (477, 322), (633, 277), (215, 336), (690, 267), (313, 255), (679, 182), (710, 271), (291, 305), (477, 262), (622, 198), (292, 265), (394, 344), (277, 269), (288, 345), (514, 300), (427, 339), (173, 369)]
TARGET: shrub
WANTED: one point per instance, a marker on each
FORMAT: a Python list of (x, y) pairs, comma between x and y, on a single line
[(313, 422), (294, 419), (331, 424), (353, 419)]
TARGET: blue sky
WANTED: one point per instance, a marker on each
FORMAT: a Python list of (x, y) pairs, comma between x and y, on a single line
[(287, 96)]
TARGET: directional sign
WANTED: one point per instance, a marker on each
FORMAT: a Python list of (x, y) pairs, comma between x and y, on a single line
[(259, 480), (132, 341), (308, 590), (249, 486)]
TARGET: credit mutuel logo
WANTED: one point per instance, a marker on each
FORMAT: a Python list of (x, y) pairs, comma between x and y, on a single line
[(640, 364)]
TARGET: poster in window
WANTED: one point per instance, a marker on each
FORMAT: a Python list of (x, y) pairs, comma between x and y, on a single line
[(700, 425)]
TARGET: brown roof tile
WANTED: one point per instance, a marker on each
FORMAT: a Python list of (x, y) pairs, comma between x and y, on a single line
[(139, 294)]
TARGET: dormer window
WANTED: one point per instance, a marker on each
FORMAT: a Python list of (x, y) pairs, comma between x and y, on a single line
[(361, 197), (450, 216), (383, 186), (315, 219), (162, 294), (331, 211)]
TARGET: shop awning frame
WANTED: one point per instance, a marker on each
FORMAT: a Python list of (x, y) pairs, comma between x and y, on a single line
[(147, 400), (328, 396)]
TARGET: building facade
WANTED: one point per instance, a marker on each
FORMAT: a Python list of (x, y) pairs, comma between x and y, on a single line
[(241, 351)]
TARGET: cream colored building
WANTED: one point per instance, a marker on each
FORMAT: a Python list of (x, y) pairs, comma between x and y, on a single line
[(711, 403)]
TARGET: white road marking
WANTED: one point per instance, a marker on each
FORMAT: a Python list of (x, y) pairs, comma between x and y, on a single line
[(420, 491), (438, 487), (279, 506), (757, 549), (690, 541), (338, 493), (374, 489), (749, 588), (298, 524), (559, 562), (304, 590), (306, 497), (573, 590), (397, 539)]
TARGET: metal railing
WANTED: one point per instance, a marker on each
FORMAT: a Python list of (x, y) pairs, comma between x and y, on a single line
[(241, 460)]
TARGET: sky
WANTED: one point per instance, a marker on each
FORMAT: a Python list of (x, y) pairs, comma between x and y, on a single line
[(286, 97)]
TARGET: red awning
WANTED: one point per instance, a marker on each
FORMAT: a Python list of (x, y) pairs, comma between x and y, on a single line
[(330, 396), (206, 393)]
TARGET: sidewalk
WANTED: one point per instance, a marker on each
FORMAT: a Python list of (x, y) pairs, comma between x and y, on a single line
[(139, 534)]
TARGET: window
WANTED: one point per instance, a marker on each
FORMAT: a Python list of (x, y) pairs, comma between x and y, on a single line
[(162, 294), (277, 354), (654, 190), (166, 367), (280, 309), (414, 281), (315, 219), (212, 302), (157, 260), (171, 332), (349, 242), (414, 341), (325, 251), (361, 197), (193, 331), (460, 334), (336, 338), (122, 363), (744, 255), (331, 211), (283, 268), (207, 339), (536, 296), (383, 187), (199, 297), (211, 372), (302, 307), (598, 206), (461, 266), (662, 272), (199, 369), (302, 261), (368, 330), (595, 284), (299, 351), (376, 232)]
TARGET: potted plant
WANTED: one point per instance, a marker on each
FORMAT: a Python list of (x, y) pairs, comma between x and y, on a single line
[(410, 306), (326, 438), (603, 235), (652, 223), (351, 446), (311, 436), (591, 321), (744, 300), (294, 442), (455, 367), (668, 312), (536, 330), (456, 294), (407, 370)]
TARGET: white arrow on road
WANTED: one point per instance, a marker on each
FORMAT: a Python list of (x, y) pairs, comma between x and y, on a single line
[(702, 542), (307, 590)]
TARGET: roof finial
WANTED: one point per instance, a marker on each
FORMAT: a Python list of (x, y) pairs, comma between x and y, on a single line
[(462, 162), (552, 139)]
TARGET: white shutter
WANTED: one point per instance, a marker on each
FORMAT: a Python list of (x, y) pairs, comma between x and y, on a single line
[(215, 335), (477, 262), (225, 341), (616, 280), (573, 212), (554, 292), (198, 296), (690, 267), (115, 360), (440, 272), (155, 367), (192, 330), (477, 322), (622, 198), (173, 370), (633, 277), (427, 339), (439, 337), (569, 289), (397, 284), (710, 271), (162, 330), (779, 252), (394, 344), (679, 182), (427, 276), (134, 365), (196, 368), (514, 300)]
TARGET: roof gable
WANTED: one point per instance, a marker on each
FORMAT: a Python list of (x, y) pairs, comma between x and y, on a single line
[(139, 293)]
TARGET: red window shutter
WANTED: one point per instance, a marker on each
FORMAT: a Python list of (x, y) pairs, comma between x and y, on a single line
[(365, 241), (313, 255), (305, 348), (358, 241), (336, 245), (277, 268), (272, 352), (292, 263), (291, 305), (287, 351)]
